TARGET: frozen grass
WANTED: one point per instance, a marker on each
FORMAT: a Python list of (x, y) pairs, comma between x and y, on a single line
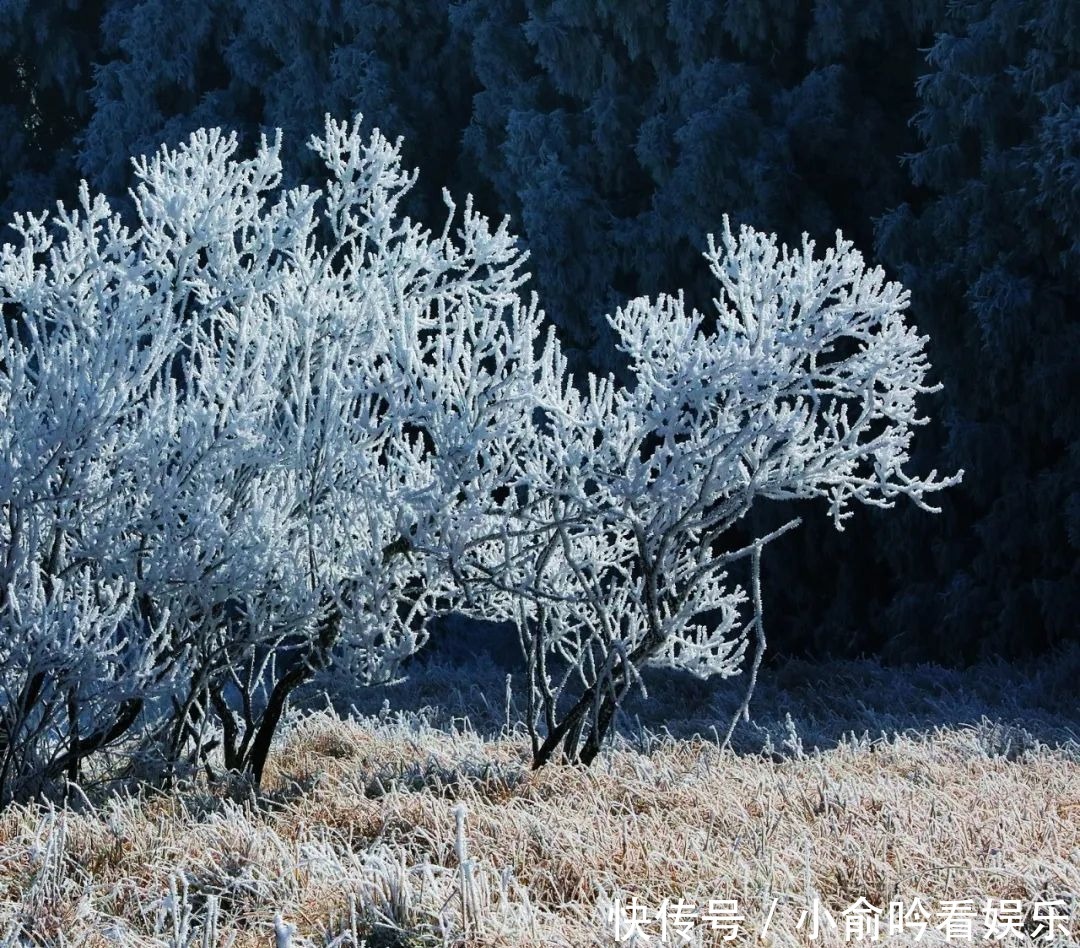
[(411, 828)]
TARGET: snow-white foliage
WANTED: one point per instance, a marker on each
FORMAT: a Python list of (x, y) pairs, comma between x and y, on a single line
[(804, 386), (222, 430), (265, 430)]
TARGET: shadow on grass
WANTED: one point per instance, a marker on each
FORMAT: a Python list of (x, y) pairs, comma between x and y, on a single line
[(461, 683)]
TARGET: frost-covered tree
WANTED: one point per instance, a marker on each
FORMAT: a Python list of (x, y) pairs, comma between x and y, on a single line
[(618, 551), (223, 431)]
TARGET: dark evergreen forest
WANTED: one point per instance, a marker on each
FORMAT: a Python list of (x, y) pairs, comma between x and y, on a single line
[(942, 136)]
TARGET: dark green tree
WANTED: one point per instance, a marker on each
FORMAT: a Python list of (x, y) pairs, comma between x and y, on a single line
[(47, 52), (991, 251)]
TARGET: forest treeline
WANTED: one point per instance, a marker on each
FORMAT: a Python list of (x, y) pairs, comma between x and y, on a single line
[(943, 137)]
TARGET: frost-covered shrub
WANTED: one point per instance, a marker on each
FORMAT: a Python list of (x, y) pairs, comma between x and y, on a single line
[(618, 554), (222, 432), (268, 431)]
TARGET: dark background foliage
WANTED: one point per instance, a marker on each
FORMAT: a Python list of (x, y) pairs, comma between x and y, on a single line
[(943, 137)]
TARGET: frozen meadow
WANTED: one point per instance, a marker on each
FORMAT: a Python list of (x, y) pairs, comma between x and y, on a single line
[(427, 826)]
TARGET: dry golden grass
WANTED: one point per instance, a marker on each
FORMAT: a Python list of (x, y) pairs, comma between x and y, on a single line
[(358, 826)]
